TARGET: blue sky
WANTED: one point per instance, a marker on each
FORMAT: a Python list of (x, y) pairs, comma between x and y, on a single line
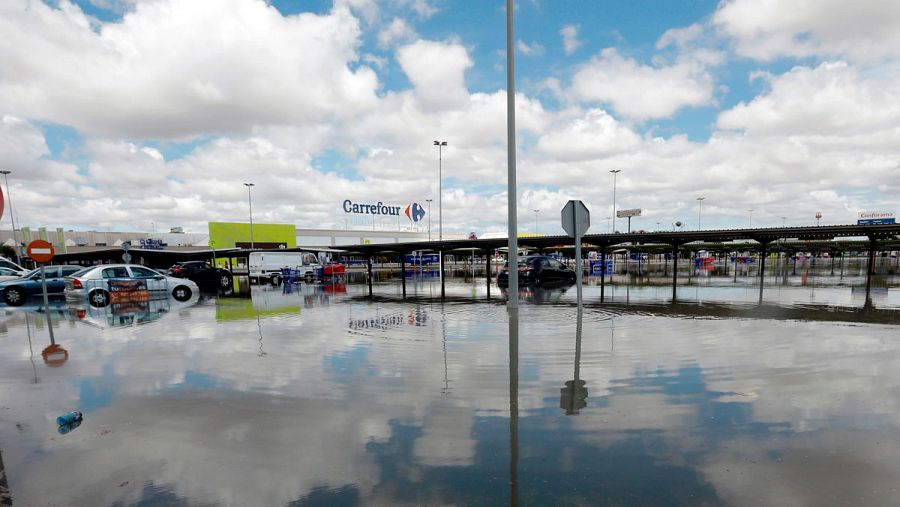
[(161, 108)]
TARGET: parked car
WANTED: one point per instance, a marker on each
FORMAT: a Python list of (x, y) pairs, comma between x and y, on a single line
[(130, 282), (9, 274), (202, 273), (537, 270), (16, 291), (8, 264)]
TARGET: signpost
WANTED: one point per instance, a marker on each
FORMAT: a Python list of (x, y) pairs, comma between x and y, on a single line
[(628, 213), (126, 257), (576, 220), (42, 251)]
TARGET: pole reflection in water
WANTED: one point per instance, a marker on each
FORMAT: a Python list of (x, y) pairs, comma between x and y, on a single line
[(5, 493), (262, 353), (36, 380), (446, 389), (573, 397), (513, 406)]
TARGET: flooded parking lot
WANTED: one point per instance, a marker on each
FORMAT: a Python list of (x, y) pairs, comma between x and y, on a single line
[(321, 395)]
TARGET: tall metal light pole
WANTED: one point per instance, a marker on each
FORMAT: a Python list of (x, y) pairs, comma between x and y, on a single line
[(511, 193), (440, 145), (429, 217), (614, 173), (751, 217), (12, 217), (250, 201), (536, 221), (783, 219), (700, 213)]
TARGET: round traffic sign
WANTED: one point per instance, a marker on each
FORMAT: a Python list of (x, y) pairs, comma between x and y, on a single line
[(40, 251)]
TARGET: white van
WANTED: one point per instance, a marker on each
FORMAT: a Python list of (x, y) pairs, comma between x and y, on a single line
[(267, 266)]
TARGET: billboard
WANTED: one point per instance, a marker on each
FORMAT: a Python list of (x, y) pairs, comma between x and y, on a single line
[(875, 217), (230, 234), (626, 213)]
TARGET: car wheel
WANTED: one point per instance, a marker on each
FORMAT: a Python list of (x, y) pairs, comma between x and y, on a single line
[(224, 281), (181, 293), (14, 296), (98, 298), (276, 280)]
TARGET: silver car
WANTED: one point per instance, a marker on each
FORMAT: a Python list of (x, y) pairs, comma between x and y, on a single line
[(113, 283)]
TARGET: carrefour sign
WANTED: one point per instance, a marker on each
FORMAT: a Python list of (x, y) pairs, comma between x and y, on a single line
[(414, 211)]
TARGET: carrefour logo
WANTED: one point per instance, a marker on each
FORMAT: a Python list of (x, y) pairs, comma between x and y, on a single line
[(415, 212)]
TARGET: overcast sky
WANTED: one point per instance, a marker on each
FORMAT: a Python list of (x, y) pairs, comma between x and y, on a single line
[(132, 114)]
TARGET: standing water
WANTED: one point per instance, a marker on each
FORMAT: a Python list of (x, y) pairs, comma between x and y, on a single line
[(322, 395)]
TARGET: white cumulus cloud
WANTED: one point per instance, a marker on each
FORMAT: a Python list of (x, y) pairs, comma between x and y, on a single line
[(570, 39), (640, 91), (863, 30)]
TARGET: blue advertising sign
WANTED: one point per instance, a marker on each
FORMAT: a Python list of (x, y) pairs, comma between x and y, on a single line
[(152, 244), (423, 259), (597, 268), (876, 221)]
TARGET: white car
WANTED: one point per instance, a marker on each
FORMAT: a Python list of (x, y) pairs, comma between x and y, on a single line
[(10, 274), (10, 268), (114, 283)]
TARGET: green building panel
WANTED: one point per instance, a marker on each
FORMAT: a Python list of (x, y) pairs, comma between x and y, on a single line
[(229, 234)]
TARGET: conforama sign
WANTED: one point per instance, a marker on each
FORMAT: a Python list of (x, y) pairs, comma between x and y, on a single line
[(414, 211), (875, 217)]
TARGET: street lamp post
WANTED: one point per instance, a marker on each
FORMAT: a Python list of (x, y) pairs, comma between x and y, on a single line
[(440, 145), (700, 213), (536, 221), (250, 201), (12, 217), (429, 217), (750, 211), (783, 219), (614, 173)]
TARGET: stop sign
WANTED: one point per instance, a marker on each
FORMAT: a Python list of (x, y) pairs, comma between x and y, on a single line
[(40, 251)]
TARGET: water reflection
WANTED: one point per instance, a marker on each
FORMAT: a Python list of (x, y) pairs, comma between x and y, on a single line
[(513, 406), (5, 493), (391, 401), (573, 397)]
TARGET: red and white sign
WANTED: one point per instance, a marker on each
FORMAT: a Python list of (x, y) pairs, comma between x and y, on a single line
[(40, 251)]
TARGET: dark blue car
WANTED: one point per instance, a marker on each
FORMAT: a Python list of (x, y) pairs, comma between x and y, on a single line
[(16, 292)]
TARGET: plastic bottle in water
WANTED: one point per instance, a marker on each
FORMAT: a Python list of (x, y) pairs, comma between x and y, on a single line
[(69, 418), (65, 428)]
